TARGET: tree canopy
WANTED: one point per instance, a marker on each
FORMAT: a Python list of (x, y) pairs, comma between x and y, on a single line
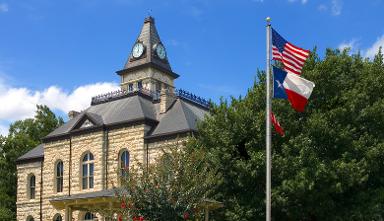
[(328, 166), (23, 136), (172, 189)]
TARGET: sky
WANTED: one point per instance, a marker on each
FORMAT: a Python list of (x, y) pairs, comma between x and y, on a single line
[(61, 53)]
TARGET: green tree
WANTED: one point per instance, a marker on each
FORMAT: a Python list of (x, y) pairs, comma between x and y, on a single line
[(329, 166), (172, 189), (23, 136)]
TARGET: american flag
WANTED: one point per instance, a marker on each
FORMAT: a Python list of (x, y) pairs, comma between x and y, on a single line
[(292, 57)]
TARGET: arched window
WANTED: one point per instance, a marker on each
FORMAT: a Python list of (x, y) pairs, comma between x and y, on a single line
[(57, 217), (87, 170), (124, 162), (89, 216), (59, 176), (32, 187), (30, 218)]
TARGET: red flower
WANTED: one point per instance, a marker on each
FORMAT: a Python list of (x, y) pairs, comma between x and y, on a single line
[(123, 205), (186, 215)]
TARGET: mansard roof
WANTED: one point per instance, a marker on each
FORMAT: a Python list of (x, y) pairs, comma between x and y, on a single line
[(182, 116), (121, 108), (36, 154)]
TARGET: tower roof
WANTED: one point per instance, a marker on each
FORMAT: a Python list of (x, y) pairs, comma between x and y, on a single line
[(150, 39)]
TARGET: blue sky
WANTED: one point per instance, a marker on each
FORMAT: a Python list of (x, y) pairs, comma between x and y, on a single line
[(62, 52)]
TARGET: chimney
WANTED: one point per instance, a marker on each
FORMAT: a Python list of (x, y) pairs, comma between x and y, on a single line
[(167, 97), (72, 114)]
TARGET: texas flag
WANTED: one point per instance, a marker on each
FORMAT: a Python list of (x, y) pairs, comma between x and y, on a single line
[(292, 87)]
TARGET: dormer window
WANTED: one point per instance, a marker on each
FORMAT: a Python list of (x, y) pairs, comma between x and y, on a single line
[(87, 123)]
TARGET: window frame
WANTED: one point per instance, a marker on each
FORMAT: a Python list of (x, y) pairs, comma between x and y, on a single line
[(92, 216), (59, 178), (88, 178), (122, 171), (31, 188), (56, 217)]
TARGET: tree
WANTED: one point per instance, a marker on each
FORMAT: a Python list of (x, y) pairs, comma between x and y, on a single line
[(23, 136), (171, 189), (329, 165)]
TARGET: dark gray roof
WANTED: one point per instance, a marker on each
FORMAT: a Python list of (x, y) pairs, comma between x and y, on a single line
[(181, 116), (34, 154), (102, 193), (127, 109)]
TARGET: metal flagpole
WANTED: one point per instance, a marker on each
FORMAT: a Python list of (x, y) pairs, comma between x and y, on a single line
[(268, 124)]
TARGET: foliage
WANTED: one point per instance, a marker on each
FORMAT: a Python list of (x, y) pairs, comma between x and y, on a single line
[(171, 189), (23, 136), (329, 166)]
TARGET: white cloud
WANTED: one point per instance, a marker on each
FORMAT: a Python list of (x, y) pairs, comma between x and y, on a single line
[(322, 8), (20, 103), (372, 51), (336, 7), (352, 45), (4, 7), (302, 1), (3, 130)]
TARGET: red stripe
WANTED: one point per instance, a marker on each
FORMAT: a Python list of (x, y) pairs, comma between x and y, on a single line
[(291, 70), (277, 125), (293, 58), (290, 52), (297, 101), (304, 51), (292, 63)]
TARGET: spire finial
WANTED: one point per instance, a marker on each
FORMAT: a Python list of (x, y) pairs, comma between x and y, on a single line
[(149, 12)]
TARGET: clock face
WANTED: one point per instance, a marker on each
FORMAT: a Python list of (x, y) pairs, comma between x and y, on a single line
[(138, 50), (160, 51)]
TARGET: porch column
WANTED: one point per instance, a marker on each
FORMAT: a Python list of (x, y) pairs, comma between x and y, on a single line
[(68, 213)]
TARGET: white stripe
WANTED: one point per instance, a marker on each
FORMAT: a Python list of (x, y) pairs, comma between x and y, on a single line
[(290, 66), (295, 54), (299, 85), (292, 58), (297, 66), (302, 51)]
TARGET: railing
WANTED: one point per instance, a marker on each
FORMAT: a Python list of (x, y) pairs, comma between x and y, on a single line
[(115, 95), (191, 97)]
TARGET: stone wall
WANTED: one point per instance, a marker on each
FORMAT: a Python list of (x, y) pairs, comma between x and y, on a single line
[(149, 77), (156, 148), (53, 152), (127, 138), (26, 206), (82, 144)]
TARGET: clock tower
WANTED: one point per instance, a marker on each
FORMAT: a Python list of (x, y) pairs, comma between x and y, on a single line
[(147, 66)]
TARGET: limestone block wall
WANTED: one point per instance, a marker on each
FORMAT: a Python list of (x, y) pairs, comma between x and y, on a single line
[(53, 152), (156, 149), (127, 138), (147, 76), (81, 144), (26, 206)]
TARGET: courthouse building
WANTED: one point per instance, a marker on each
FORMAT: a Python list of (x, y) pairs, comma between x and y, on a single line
[(76, 167)]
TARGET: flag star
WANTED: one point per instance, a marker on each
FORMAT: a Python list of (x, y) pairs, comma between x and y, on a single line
[(279, 84)]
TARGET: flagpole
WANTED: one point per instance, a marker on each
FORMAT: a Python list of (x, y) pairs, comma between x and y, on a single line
[(268, 124)]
